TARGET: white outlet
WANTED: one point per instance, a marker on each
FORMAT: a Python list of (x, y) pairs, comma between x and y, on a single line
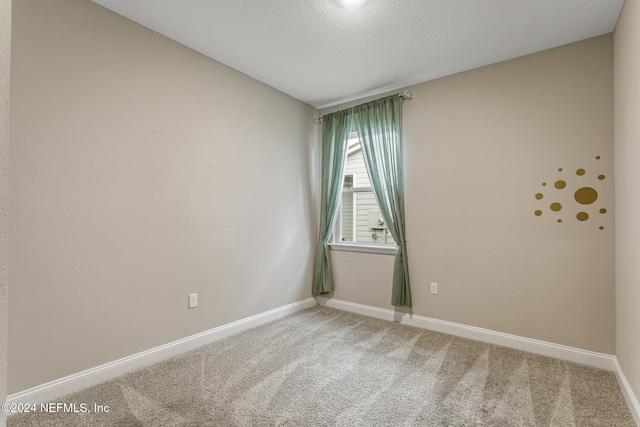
[(434, 288), (193, 300)]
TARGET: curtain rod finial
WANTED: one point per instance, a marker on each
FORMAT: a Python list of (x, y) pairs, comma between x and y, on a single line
[(406, 95)]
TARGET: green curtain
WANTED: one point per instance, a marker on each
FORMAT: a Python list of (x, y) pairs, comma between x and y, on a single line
[(379, 127), (335, 132)]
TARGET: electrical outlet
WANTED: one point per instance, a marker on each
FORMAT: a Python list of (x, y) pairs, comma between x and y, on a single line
[(193, 300), (434, 288)]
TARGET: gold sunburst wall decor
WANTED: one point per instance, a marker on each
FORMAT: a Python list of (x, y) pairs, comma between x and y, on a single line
[(578, 201)]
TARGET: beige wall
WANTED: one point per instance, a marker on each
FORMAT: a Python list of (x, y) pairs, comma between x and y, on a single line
[(5, 56), (627, 149), (142, 172), (478, 146)]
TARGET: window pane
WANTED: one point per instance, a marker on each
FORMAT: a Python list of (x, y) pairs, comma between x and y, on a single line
[(360, 219), (347, 217), (369, 224)]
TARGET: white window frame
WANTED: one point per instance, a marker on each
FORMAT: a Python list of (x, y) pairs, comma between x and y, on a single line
[(377, 248)]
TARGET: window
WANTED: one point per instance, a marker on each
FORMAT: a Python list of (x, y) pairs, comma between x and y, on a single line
[(359, 224)]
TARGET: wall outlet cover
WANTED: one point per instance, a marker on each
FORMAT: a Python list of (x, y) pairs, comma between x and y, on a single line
[(434, 288), (193, 300)]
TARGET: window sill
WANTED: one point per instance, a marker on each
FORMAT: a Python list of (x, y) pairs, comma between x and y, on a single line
[(359, 247)]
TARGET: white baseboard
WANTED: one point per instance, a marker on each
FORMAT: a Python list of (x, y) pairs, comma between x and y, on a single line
[(76, 382), (558, 351), (627, 391)]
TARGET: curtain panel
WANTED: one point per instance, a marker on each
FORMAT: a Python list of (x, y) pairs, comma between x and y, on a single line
[(379, 127), (335, 132)]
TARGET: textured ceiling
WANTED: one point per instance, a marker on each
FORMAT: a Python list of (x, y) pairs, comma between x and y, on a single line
[(324, 53)]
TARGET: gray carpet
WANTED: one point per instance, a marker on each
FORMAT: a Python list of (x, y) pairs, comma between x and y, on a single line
[(324, 367)]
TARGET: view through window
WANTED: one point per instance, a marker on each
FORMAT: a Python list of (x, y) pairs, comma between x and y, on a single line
[(359, 219)]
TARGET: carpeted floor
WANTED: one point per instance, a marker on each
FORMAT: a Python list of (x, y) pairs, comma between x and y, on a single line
[(324, 367)]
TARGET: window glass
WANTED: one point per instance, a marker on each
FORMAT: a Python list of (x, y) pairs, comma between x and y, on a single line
[(359, 219)]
